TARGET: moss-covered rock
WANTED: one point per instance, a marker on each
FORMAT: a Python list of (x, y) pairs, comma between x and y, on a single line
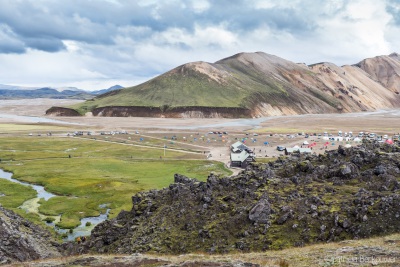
[(348, 193)]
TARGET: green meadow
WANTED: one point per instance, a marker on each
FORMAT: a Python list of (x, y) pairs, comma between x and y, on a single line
[(23, 128), (86, 173)]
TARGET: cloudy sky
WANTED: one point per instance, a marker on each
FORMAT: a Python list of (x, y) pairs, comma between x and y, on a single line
[(94, 44)]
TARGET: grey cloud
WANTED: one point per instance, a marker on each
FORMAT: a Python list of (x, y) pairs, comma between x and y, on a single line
[(43, 21), (10, 48), (9, 43), (45, 44), (129, 38)]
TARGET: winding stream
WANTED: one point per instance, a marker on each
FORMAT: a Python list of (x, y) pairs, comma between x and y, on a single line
[(41, 192), (32, 205)]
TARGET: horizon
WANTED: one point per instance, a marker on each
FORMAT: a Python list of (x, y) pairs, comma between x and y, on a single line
[(65, 44)]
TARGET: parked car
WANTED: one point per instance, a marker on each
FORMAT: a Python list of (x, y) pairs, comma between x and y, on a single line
[(280, 148)]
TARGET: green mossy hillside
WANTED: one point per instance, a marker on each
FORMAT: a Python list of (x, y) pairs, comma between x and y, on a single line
[(237, 82)]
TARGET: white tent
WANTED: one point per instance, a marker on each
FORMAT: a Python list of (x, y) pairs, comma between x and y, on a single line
[(325, 138), (347, 146), (296, 146), (305, 143), (357, 139)]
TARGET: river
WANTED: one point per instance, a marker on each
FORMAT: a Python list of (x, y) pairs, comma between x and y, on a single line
[(33, 119), (32, 205)]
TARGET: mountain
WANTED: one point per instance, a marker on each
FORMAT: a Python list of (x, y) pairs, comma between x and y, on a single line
[(44, 93), (384, 69), (18, 92), (252, 85), (349, 193), (61, 89), (103, 91)]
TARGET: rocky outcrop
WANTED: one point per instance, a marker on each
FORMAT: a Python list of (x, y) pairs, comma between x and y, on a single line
[(348, 193), (61, 111), (21, 240)]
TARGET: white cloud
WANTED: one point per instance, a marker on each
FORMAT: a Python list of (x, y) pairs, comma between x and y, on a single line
[(94, 43), (358, 31), (200, 6)]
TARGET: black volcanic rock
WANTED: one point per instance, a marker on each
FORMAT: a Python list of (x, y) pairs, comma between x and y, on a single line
[(21, 240), (346, 194)]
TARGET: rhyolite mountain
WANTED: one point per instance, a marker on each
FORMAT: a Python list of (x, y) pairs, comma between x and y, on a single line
[(384, 69), (252, 85)]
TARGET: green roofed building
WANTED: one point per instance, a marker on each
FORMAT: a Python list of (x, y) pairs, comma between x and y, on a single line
[(241, 155)]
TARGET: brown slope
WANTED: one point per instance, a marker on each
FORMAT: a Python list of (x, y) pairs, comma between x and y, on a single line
[(354, 88), (258, 83), (319, 88), (384, 69), (282, 88)]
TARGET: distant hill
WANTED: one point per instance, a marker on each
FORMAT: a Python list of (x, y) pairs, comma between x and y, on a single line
[(252, 85), (17, 92), (103, 91)]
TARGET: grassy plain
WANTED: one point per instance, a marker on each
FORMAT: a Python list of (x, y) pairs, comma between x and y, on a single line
[(7, 127), (86, 173), (12, 194)]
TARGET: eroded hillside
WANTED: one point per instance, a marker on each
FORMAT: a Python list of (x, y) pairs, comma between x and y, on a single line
[(257, 83)]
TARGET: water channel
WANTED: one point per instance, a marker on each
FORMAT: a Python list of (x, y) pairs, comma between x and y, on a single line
[(32, 205)]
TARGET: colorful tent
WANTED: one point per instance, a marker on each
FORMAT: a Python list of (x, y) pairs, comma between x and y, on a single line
[(312, 144), (389, 141)]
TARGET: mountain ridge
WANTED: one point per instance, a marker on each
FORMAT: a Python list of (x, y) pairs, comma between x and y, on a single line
[(20, 92), (263, 84)]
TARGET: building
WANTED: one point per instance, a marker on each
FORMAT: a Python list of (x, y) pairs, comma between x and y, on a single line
[(241, 155)]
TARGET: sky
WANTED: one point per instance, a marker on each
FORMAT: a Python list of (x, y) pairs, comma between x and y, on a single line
[(94, 44)]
